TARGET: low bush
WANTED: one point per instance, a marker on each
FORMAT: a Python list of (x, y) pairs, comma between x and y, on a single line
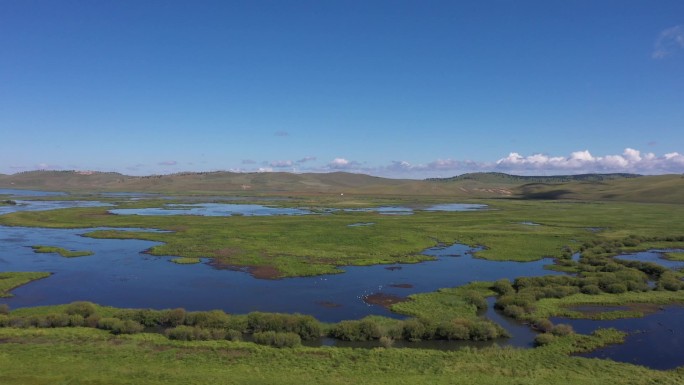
[(278, 340), (386, 342), (562, 330), (82, 308), (117, 326), (544, 339), (361, 330)]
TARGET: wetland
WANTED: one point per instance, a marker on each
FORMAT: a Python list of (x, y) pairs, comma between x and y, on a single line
[(400, 262)]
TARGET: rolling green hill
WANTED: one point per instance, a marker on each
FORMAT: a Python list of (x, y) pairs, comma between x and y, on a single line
[(620, 187)]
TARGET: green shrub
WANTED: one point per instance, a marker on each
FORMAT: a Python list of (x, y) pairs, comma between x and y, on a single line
[(386, 342), (59, 320), (456, 329), (118, 326), (4, 320), (544, 339), (175, 317), (215, 319), (616, 288), (195, 333), (181, 333), (414, 330), (543, 325), (147, 317), (562, 330), (591, 289), (233, 335), (4, 309), (92, 320), (307, 327), (81, 307), (484, 331), (76, 320), (503, 287), (278, 340), (361, 330), (514, 311), (476, 299), (669, 281)]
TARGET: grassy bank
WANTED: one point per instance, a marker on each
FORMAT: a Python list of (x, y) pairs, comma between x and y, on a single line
[(10, 280), (80, 356)]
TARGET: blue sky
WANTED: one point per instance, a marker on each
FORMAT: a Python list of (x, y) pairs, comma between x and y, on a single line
[(406, 89)]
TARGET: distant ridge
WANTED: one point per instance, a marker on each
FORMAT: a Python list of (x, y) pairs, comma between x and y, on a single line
[(586, 187), (502, 177)]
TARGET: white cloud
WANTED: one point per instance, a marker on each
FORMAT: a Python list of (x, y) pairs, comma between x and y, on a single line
[(669, 41), (281, 133), (168, 163), (342, 164), (631, 160)]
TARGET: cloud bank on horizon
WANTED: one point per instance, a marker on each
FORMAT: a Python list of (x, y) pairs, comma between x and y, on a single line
[(578, 162)]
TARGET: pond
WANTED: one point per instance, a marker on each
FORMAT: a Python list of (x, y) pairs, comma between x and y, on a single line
[(119, 274), (655, 256), (229, 209), (212, 210), (655, 340), (27, 205), (29, 193)]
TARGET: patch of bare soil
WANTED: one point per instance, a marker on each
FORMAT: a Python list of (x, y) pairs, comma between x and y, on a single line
[(383, 299), (259, 272)]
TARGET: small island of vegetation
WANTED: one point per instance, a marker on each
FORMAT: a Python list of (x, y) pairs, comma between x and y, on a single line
[(61, 251)]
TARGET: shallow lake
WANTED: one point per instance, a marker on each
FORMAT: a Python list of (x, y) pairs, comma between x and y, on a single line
[(212, 210)]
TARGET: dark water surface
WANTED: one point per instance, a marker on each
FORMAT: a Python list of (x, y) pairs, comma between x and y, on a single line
[(27, 205), (29, 193), (655, 256), (655, 340)]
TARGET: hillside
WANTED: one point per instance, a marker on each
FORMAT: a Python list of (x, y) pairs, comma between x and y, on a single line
[(623, 187)]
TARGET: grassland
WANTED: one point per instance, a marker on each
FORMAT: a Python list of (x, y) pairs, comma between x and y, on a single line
[(11, 280), (604, 187), (90, 356), (61, 251)]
